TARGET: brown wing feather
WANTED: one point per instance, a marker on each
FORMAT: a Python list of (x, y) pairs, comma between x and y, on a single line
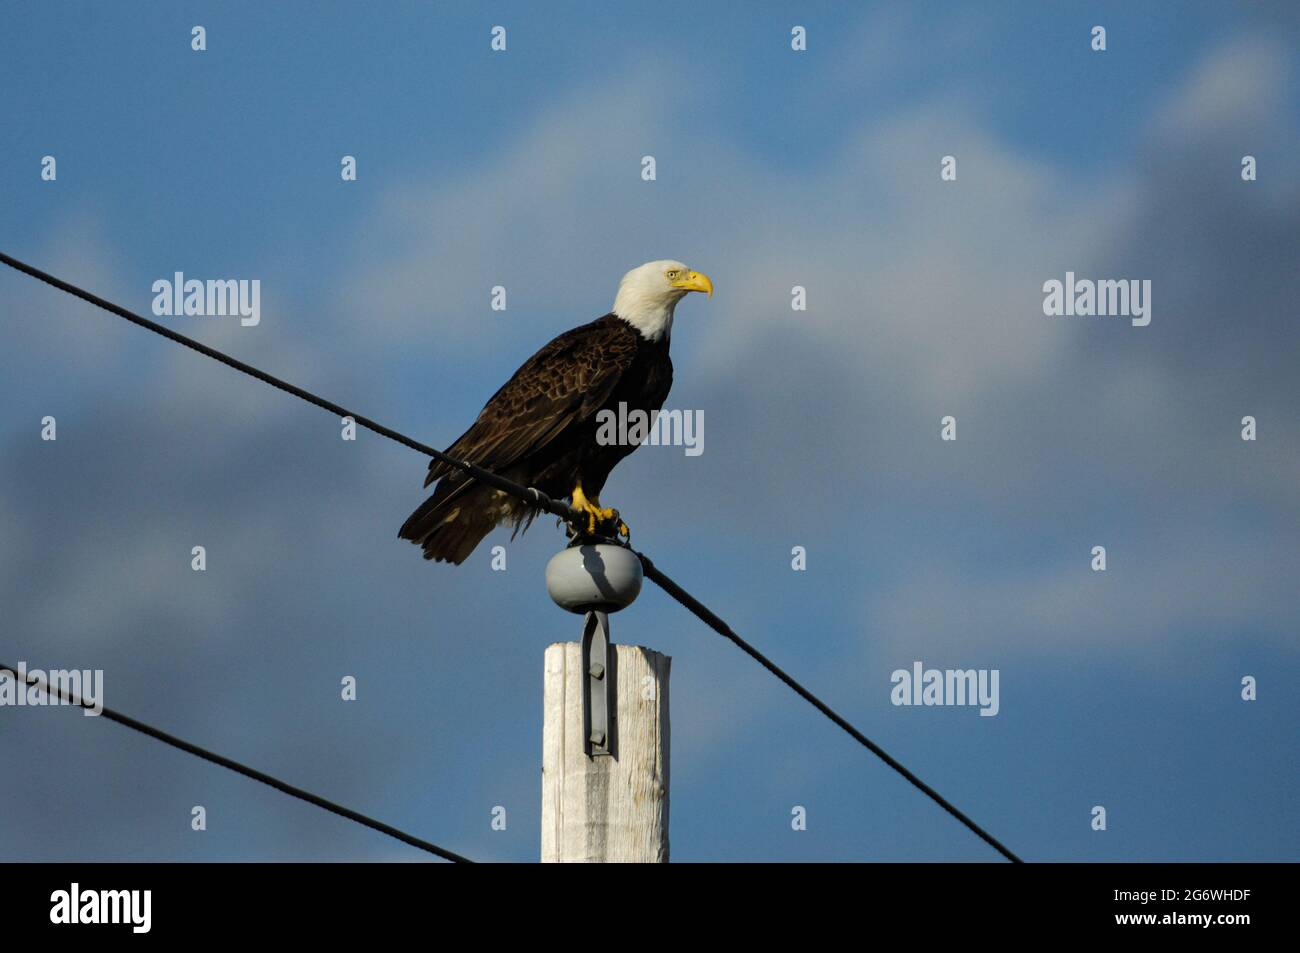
[(566, 381)]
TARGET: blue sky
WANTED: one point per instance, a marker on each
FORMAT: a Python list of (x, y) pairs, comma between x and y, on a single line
[(775, 168)]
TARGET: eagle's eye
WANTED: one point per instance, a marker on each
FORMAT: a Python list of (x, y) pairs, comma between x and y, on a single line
[(672, 274)]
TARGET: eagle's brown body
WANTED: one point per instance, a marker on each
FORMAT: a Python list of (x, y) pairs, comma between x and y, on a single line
[(539, 429)]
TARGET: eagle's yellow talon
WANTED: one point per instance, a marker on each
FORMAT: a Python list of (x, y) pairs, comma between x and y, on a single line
[(597, 516)]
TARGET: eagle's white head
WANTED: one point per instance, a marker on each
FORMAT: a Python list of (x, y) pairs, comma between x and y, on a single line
[(647, 295)]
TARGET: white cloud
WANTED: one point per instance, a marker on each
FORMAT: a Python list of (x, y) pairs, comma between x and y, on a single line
[(1243, 82), (1159, 593)]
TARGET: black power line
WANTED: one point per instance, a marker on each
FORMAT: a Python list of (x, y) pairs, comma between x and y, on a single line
[(536, 498), (702, 612), (243, 769)]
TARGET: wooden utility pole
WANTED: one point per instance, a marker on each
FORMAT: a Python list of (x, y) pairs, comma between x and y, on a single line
[(605, 737)]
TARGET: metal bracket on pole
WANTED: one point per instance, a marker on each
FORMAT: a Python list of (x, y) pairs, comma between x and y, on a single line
[(599, 701)]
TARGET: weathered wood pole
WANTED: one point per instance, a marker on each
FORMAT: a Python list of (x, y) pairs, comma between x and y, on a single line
[(607, 807)]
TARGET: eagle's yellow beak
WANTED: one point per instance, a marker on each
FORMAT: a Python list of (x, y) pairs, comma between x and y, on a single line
[(694, 281)]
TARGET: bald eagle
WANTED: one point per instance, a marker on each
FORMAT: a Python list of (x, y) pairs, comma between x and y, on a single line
[(540, 428)]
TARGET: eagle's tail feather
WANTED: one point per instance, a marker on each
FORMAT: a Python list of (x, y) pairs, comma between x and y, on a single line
[(449, 526)]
